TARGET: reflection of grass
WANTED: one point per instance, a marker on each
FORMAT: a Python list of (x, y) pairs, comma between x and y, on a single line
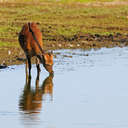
[(61, 18)]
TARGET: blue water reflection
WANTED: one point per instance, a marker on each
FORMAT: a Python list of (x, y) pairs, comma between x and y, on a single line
[(89, 89)]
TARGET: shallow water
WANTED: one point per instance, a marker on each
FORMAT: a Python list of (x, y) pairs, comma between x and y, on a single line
[(89, 89)]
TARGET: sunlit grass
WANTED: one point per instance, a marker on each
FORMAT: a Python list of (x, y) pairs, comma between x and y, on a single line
[(61, 19), (59, 0)]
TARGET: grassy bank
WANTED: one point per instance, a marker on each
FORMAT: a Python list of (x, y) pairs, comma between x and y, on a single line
[(65, 24), (61, 20)]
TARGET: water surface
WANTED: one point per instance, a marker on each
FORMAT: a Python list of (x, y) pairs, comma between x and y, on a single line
[(89, 89)]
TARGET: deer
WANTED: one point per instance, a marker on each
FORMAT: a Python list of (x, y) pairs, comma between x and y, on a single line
[(30, 40)]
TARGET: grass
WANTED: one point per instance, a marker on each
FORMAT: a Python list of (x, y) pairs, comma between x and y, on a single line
[(66, 1), (64, 18), (7, 44)]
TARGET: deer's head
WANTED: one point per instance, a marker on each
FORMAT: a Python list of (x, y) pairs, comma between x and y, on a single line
[(48, 62)]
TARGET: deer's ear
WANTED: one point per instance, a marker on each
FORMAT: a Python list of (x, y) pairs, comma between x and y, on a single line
[(51, 56), (45, 57), (51, 52)]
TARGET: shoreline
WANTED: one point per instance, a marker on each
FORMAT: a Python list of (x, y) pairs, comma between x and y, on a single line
[(15, 55), (64, 25)]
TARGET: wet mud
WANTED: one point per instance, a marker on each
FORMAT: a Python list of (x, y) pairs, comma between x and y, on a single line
[(15, 55)]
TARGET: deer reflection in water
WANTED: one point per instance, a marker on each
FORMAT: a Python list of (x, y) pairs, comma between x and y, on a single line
[(31, 99)]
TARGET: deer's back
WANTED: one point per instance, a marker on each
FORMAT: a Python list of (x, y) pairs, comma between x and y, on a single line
[(27, 41)]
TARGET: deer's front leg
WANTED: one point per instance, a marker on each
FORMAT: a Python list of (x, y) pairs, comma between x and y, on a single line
[(26, 70)]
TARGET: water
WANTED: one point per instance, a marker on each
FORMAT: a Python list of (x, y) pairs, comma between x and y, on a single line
[(89, 89)]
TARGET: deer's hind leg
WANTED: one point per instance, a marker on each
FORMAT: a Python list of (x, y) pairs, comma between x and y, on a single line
[(38, 65)]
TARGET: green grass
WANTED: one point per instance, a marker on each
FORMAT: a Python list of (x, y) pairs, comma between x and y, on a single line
[(7, 44), (62, 18), (85, 1)]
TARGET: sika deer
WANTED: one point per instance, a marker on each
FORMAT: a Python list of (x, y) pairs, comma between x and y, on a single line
[(30, 39)]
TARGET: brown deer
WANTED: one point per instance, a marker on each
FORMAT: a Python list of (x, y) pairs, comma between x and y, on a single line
[(30, 39)]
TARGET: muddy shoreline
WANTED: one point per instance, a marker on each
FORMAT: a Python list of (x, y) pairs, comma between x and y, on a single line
[(14, 55)]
